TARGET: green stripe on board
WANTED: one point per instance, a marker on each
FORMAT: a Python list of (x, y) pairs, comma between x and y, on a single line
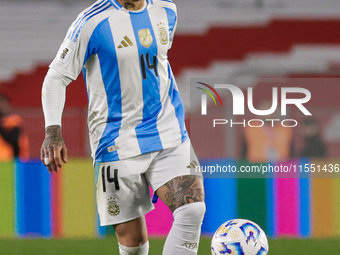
[(6, 199), (251, 197)]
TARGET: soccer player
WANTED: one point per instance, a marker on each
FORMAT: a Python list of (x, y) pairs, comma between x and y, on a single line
[(135, 118)]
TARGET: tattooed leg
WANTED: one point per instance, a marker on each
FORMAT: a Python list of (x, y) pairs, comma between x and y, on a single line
[(184, 196), (182, 190)]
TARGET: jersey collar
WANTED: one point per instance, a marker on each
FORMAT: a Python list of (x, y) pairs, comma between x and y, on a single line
[(118, 6)]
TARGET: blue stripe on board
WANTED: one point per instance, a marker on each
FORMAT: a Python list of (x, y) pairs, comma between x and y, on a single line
[(220, 199), (271, 212), (305, 202), (110, 74), (82, 24), (100, 230), (33, 199), (176, 101), (86, 14), (147, 132)]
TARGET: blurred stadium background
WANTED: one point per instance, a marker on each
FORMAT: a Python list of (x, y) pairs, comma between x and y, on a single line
[(239, 40)]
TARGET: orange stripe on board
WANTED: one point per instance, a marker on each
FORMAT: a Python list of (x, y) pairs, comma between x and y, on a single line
[(322, 205)]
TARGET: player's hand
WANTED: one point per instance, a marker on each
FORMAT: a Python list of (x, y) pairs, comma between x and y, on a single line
[(53, 150)]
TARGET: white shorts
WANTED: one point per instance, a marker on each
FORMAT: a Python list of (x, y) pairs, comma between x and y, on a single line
[(122, 187)]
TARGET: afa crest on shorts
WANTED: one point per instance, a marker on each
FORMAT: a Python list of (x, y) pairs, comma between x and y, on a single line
[(145, 37), (113, 207)]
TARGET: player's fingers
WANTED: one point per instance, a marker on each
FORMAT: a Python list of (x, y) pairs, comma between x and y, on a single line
[(64, 154), (49, 168), (57, 158), (46, 160), (52, 159), (42, 155)]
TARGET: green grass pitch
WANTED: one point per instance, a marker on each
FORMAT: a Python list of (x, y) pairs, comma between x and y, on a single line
[(109, 246)]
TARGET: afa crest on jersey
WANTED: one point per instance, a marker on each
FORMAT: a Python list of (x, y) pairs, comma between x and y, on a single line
[(163, 33), (145, 37)]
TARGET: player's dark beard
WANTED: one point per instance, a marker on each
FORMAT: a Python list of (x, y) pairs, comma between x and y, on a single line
[(129, 5)]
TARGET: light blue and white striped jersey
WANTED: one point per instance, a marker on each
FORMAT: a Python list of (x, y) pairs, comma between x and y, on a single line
[(134, 104)]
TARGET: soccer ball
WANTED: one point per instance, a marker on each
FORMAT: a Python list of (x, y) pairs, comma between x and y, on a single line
[(239, 237)]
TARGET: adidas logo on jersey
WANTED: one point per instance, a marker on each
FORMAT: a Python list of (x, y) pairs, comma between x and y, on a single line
[(125, 43), (193, 165)]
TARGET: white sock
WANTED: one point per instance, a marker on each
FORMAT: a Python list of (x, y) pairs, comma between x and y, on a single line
[(140, 250), (185, 233)]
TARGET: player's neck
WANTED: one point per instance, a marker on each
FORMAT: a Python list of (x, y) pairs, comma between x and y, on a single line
[(132, 5)]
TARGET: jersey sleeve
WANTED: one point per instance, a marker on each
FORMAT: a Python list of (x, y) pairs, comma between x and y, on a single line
[(71, 54), (172, 33), (171, 12)]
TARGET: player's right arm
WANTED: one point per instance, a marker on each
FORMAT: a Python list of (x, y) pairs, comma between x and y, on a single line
[(65, 67), (53, 150)]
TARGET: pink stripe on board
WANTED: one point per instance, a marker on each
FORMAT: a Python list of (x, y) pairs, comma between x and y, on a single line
[(287, 199), (159, 220)]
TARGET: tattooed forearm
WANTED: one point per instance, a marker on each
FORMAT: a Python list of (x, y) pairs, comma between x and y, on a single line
[(53, 137), (184, 190), (54, 130)]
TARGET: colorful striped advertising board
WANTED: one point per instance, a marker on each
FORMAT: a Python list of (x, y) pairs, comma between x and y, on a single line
[(34, 203)]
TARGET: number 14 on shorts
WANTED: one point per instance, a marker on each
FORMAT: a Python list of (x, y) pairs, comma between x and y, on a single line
[(106, 176)]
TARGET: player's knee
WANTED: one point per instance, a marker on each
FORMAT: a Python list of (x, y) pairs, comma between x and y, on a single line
[(190, 214), (140, 250)]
